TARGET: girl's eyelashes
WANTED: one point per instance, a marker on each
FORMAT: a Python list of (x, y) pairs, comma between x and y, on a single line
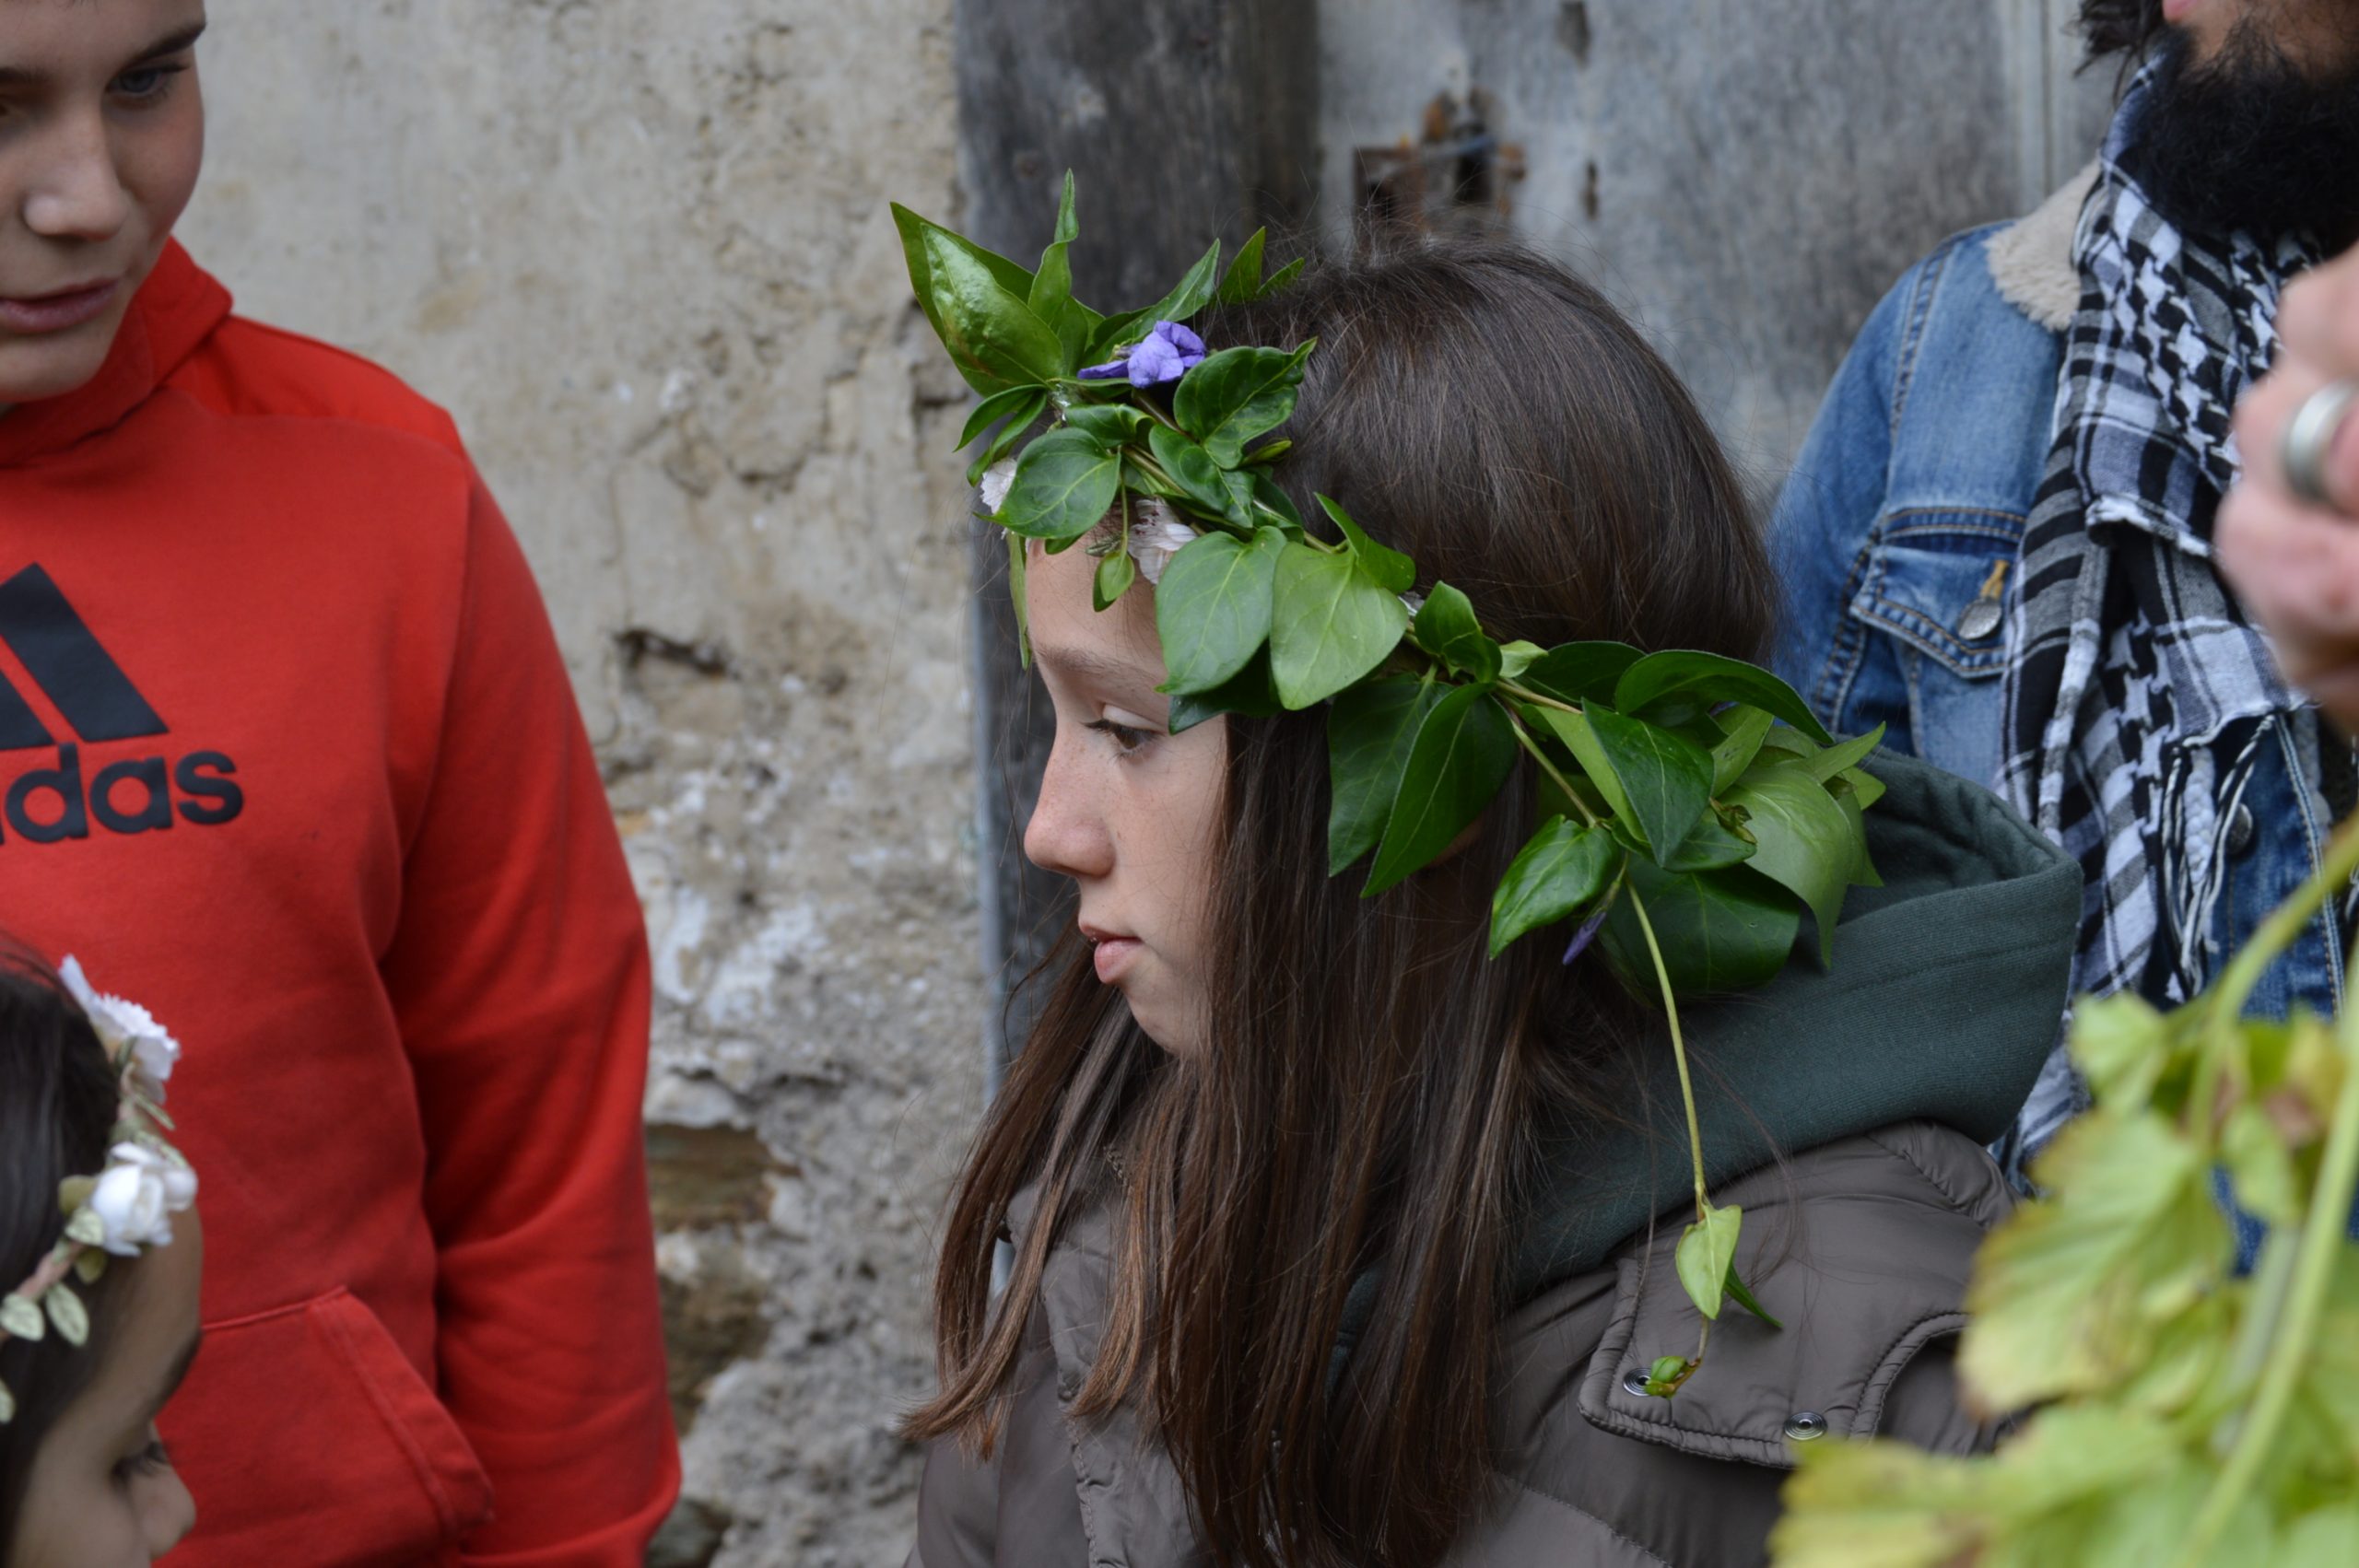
[(1126, 738), (153, 1459)]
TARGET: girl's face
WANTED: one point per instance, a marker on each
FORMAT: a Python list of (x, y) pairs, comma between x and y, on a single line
[(1128, 811), (101, 131), (103, 1493)]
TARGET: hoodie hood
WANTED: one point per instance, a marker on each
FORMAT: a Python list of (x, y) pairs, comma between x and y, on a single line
[(1946, 995), (173, 313)]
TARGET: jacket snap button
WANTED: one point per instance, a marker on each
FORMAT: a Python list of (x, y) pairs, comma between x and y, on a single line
[(2240, 831), (1067, 1386), (1634, 1380), (1803, 1425)]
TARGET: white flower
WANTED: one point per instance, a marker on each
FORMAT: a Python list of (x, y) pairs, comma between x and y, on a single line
[(136, 1197), (122, 1024), (996, 479), (1157, 535)]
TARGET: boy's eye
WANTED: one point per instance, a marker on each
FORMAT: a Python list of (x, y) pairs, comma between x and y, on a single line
[(147, 81)]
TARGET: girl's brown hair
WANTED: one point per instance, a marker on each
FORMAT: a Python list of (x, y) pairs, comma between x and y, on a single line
[(1365, 1100)]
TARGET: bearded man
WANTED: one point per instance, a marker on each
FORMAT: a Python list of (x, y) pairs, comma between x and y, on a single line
[(1997, 540)]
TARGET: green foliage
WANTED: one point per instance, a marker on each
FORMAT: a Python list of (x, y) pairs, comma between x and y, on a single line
[(1369, 729), (1238, 394), (1213, 609), (1064, 482), (2186, 1416), (1706, 1255), (1331, 625), (1562, 869), (1460, 758)]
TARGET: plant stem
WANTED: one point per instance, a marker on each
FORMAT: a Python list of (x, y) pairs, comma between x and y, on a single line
[(1678, 1055), (2227, 1006), (1523, 738), (1525, 694), (2313, 1267)]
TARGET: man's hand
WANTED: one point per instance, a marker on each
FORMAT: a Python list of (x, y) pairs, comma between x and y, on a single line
[(2295, 564)]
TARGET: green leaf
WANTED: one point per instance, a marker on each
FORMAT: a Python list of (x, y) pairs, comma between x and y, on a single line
[(1389, 569), (1269, 451), (916, 233), (1280, 279), (1329, 624), (68, 1315), (89, 1265), (1275, 503), (1111, 424), (1193, 469), (2069, 1295), (1580, 672), (1063, 483), (1746, 1299), (1742, 729), (1560, 868), (1015, 567), (1711, 677), (992, 334), (2261, 1166), (2121, 1045), (1050, 299), (1460, 758), (1515, 658), (1803, 842), (1212, 608), (1068, 226), (1111, 333), (1706, 1255), (21, 1318), (1014, 430), (1369, 731), (1191, 294), (1665, 781), (1710, 844), (1242, 283), (1116, 572), (1665, 1374), (998, 407), (1865, 785), (85, 1227), (1721, 931), (1446, 627), (1236, 394), (1247, 694), (1838, 759)]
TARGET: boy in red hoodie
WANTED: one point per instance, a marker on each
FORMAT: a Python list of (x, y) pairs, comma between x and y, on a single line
[(285, 736)]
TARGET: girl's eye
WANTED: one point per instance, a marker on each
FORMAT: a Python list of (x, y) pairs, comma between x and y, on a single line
[(1124, 737), (147, 83), (152, 1459)]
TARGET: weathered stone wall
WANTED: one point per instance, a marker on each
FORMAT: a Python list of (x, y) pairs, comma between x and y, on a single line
[(639, 249)]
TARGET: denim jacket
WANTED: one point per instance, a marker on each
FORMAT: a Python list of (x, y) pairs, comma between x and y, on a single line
[(1896, 537)]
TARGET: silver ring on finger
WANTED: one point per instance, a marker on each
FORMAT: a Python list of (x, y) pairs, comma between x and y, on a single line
[(2309, 436)]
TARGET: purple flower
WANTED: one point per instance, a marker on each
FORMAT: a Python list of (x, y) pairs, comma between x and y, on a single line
[(1582, 938), (1164, 354)]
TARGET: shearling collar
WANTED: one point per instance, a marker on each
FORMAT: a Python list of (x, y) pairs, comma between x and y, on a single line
[(2031, 259)]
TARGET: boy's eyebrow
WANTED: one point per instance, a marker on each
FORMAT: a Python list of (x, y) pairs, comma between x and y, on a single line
[(171, 1383), (170, 43)]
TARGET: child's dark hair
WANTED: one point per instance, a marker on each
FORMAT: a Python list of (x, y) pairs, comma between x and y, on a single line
[(58, 1099)]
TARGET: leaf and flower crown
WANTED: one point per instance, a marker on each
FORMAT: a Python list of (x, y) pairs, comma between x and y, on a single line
[(1685, 827), (127, 1206)]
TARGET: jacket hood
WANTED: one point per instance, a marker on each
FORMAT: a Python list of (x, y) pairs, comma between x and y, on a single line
[(1946, 994), (173, 313)]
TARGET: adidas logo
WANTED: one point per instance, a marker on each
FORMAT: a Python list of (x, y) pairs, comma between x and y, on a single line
[(81, 680)]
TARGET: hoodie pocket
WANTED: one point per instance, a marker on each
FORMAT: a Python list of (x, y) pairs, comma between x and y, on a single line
[(305, 1436)]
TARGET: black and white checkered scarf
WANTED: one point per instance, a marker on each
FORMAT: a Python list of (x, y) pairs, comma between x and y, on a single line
[(2138, 700)]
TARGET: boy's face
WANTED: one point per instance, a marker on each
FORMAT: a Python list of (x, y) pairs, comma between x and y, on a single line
[(101, 132)]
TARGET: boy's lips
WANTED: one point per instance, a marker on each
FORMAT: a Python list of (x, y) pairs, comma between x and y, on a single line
[(57, 311)]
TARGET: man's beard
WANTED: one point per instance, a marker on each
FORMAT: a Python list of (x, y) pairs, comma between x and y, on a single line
[(2249, 141)]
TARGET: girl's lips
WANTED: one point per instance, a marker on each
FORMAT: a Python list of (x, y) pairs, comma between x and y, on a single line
[(1113, 954), (56, 313)]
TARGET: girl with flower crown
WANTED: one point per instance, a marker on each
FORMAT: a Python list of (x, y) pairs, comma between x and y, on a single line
[(98, 1236), (1318, 1229)]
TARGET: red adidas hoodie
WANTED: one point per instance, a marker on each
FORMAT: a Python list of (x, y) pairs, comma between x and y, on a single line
[(287, 755)]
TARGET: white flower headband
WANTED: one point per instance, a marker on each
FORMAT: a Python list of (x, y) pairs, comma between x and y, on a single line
[(125, 1207)]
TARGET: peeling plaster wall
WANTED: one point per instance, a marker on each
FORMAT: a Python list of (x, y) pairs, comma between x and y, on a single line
[(641, 251)]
